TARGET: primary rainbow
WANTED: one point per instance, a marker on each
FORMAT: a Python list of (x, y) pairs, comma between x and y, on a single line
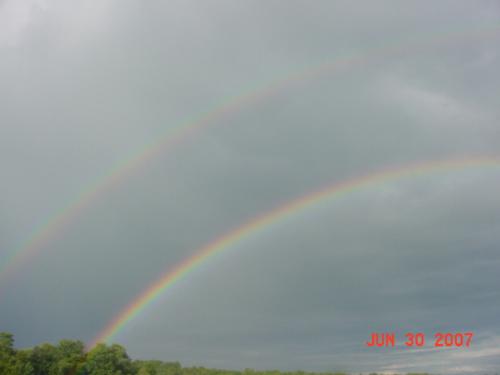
[(335, 190), (60, 219)]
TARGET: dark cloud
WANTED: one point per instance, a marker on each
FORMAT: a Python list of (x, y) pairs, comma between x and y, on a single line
[(86, 86)]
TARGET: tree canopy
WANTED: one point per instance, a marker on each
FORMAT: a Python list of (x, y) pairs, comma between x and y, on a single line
[(69, 357)]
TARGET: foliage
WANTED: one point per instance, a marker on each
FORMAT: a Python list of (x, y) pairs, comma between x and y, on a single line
[(108, 360), (7, 353), (70, 358)]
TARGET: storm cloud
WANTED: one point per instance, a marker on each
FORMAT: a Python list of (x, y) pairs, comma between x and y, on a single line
[(333, 90)]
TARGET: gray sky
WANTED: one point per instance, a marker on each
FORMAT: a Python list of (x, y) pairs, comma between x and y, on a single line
[(86, 84)]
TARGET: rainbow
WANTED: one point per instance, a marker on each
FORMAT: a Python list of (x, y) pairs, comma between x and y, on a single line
[(171, 276), (58, 221)]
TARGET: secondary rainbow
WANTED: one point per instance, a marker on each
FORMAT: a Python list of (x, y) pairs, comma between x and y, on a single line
[(41, 236), (56, 223), (335, 190), (118, 173)]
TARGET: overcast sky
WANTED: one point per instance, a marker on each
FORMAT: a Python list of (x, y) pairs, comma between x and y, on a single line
[(86, 84)]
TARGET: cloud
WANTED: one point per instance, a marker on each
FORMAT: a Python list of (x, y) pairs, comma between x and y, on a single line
[(15, 18), (87, 85), (60, 22)]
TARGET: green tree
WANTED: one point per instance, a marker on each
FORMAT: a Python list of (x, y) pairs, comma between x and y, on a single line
[(70, 358), (7, 353), (22, 363), (43, 359), (155, 367), (107, 360)]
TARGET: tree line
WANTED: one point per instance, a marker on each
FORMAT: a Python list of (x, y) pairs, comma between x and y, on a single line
[(69, 357)]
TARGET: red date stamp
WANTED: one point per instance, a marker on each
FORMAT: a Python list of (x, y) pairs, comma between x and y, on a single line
[(418, 339)]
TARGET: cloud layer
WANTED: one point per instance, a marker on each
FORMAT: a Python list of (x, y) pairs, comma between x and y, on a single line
[(86, 86)]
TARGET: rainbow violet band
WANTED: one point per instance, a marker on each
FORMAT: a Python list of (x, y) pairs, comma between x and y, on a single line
[(171, 276)]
